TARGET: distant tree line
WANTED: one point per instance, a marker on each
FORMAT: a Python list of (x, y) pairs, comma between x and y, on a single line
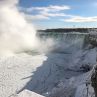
[(67, 30)]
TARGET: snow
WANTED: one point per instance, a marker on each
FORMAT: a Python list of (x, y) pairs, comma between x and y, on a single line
[(27, 93), (52, 75), (82, 91), (75, 86), (15, 70)]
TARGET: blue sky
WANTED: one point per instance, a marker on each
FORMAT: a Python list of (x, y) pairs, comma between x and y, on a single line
[(60, 13)]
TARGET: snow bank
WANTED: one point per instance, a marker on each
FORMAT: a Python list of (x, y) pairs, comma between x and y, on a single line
[(27, 93)]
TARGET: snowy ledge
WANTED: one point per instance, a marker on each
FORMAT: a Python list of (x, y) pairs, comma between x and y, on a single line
[(27, 93)]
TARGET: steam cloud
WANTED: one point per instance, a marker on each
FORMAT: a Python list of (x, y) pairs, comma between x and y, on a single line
[(16, 34)]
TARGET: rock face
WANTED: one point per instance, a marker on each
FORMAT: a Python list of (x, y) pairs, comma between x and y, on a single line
[(27, 93), (94, 80)]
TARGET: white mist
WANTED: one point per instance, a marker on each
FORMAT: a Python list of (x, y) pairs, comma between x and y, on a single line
[(16, 34)]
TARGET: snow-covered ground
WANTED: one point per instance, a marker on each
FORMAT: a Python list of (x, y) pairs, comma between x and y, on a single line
[(60, 73), (47, 74), (16, 71)]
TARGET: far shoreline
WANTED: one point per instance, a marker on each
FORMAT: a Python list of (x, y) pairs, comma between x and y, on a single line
[(69, 30)]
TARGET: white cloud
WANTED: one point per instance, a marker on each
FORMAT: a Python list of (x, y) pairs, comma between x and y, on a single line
[(36, 17), (43, 16), (55, 11), (53, 8), (59, 8), (45, 12), (52, 14), (80, 19)]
